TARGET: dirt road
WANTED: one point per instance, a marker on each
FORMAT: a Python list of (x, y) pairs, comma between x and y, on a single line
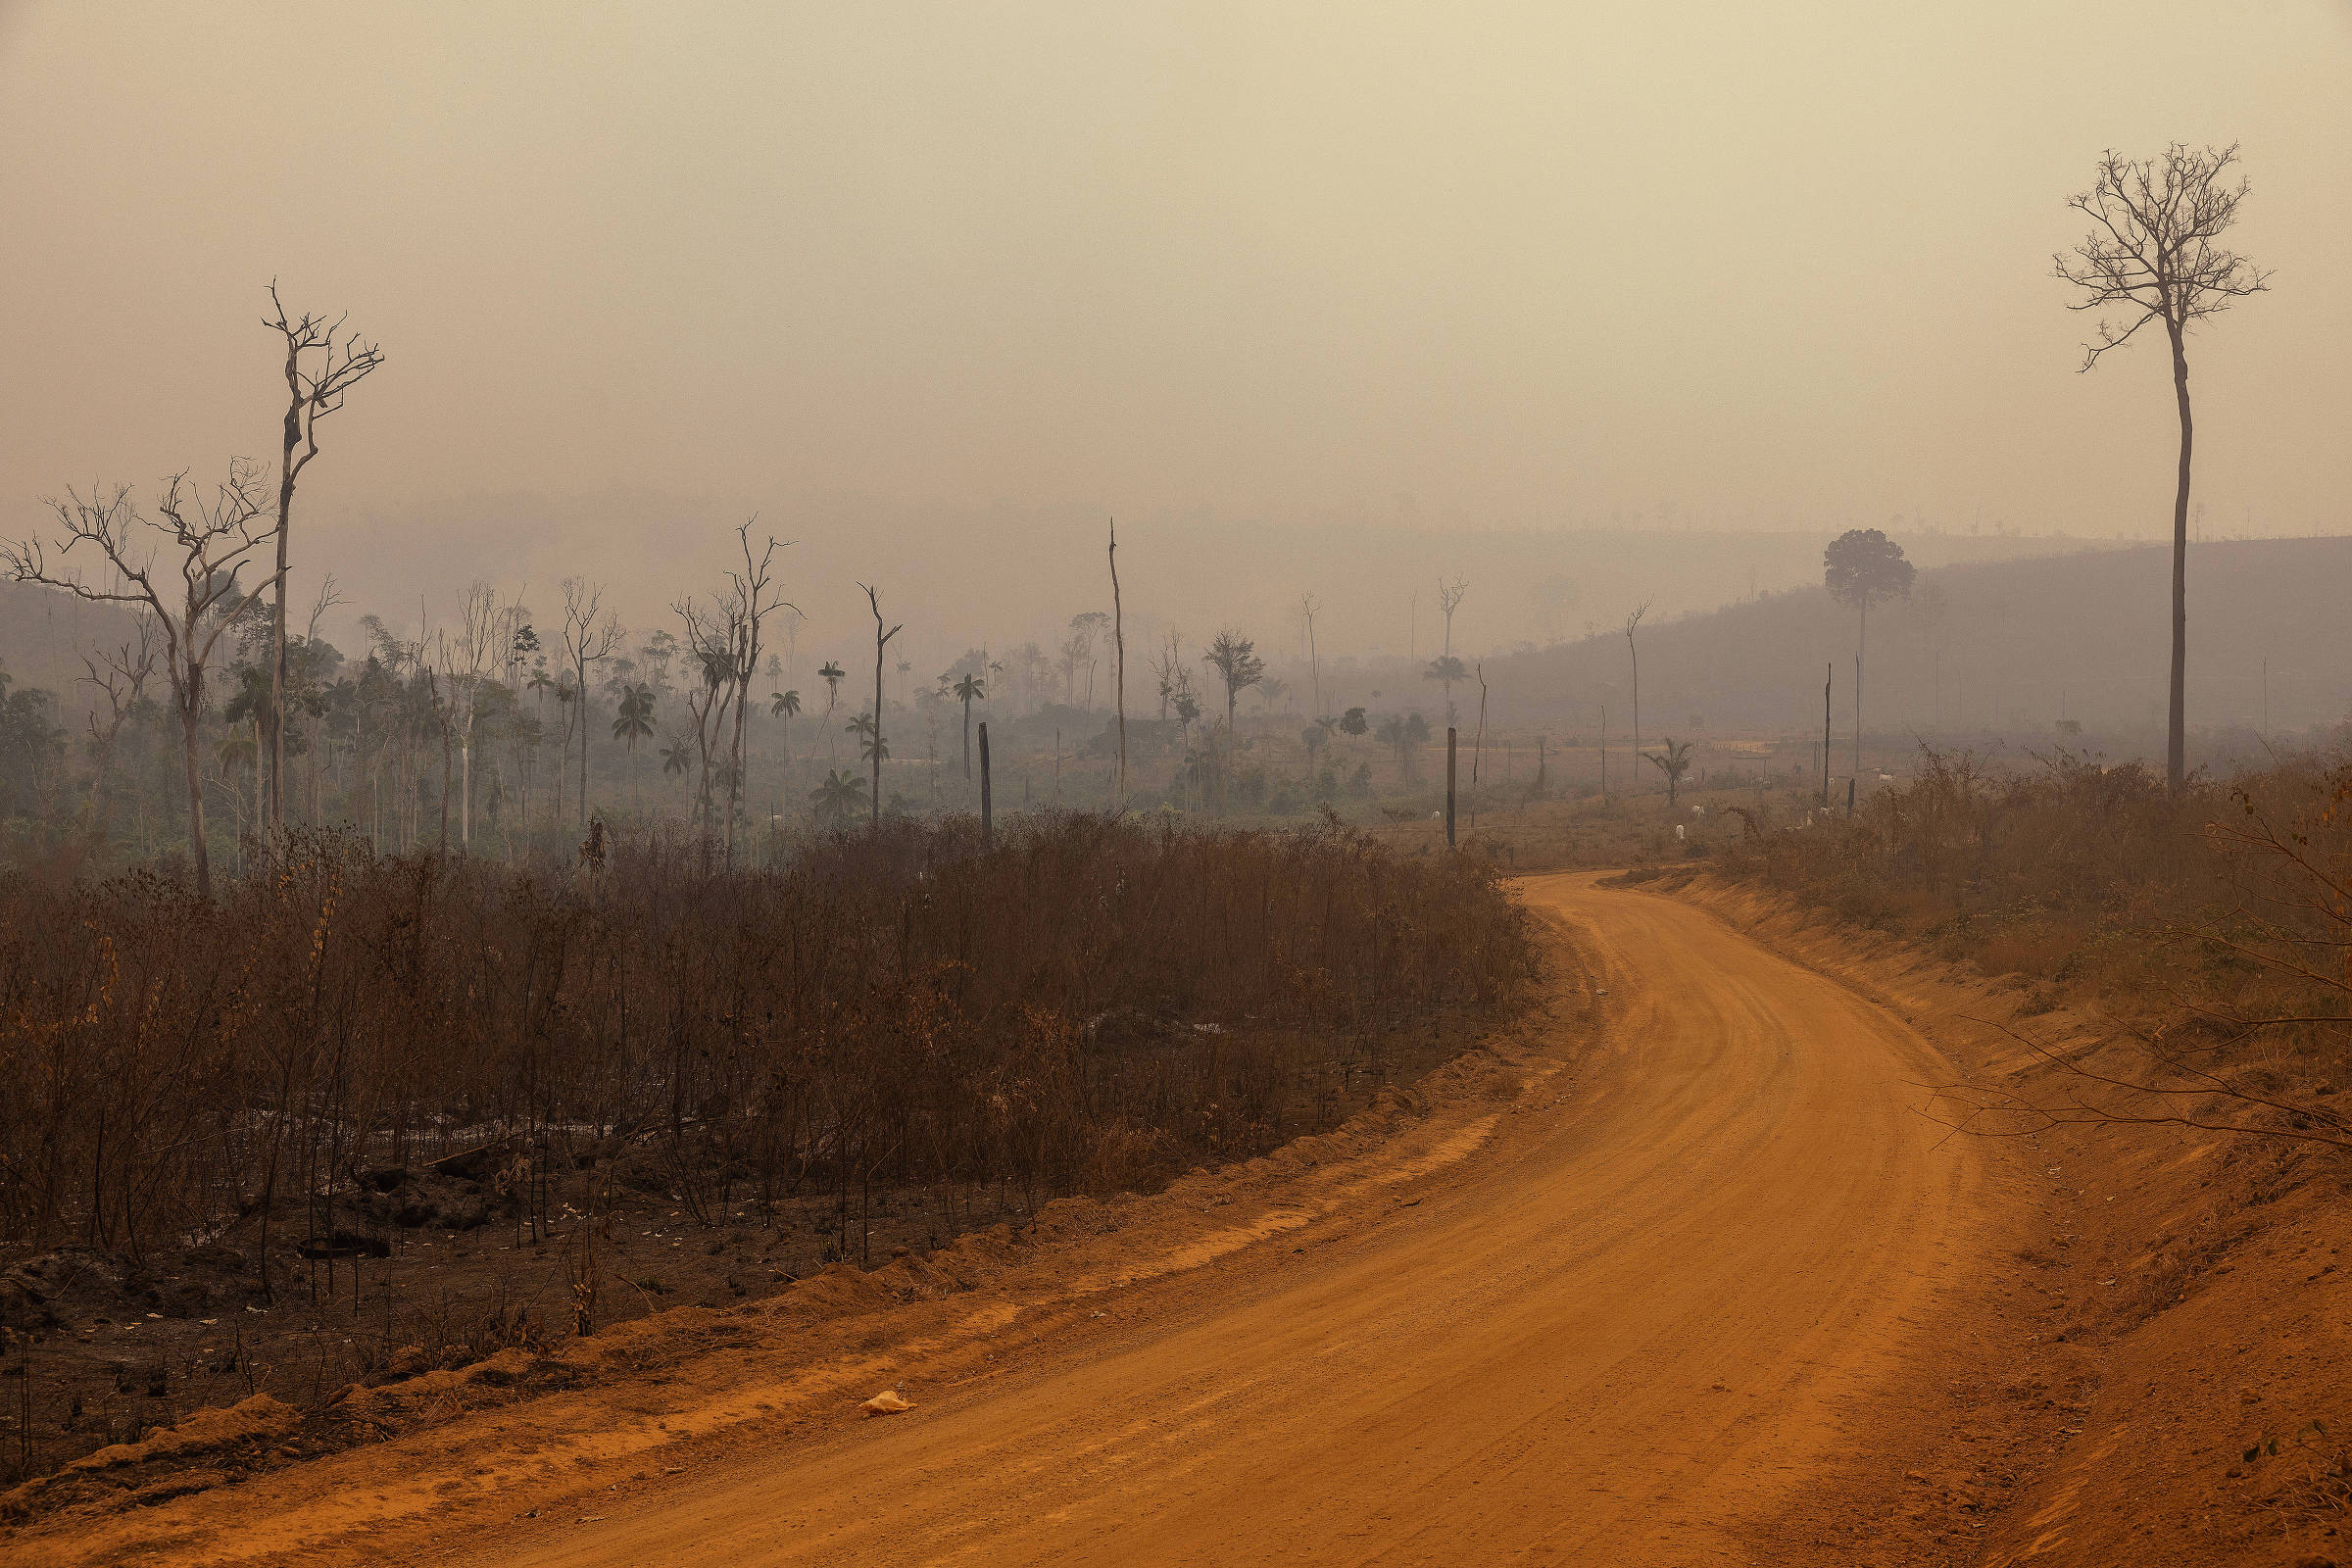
[(1623, 1333), (1644, 1300)]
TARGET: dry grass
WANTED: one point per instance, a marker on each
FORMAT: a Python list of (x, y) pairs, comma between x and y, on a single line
[(894, 1035), (1082, 1004), (2217, 925)]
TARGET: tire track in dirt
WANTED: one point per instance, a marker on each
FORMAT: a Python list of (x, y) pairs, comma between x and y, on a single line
[(1612, 1303)]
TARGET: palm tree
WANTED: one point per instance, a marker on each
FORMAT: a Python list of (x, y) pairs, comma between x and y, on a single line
[(1445, 670), (676, 757), (833, 675), (836, 798), (1234, 658), (782, 705), (868, 749), (635, 721), (965, 690), (1674, 763)]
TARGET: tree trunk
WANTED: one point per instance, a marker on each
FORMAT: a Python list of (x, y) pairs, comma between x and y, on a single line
[(580, 677), (277, 616), (1118, 632), (191, 713), (988, 813), (743, 707), (1829, 678), (1635, 655), (2176, 742), (1449, 755), (1861, 642), (879, 640)]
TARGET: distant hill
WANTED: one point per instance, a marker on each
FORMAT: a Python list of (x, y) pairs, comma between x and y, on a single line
[(2007, 646), (1001, 576), (997, 577)]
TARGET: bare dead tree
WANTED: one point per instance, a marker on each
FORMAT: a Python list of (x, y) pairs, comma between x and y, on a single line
[(714, 634), (2151, 252), (1632, 622), (1166, 664), (1310, 606), (1449, 600), (330, 594), (1118, 632), (121, 674), (210, 542), (881, 641), (753, 594), (463, 661), (319, 371), (590, 636)]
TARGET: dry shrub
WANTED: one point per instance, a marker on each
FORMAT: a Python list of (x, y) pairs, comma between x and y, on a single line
[(2216, 926), (1089, 1003)]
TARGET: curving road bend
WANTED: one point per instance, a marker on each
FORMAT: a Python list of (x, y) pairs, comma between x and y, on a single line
[(1628, 1330)]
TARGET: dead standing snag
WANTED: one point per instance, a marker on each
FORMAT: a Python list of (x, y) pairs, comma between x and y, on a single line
[(882, 639), (319, 372), (213, 543)]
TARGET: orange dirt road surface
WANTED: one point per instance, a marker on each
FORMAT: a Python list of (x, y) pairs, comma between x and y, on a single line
[(1677, 1282)]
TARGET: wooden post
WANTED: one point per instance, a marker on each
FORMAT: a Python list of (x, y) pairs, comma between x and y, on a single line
[(1450, 733), (988, 814), (1829, 674)]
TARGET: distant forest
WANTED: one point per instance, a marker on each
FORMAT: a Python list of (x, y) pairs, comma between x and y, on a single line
[(2057, 649)]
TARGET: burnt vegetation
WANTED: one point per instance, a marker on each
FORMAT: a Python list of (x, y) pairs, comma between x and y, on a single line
[(398, 1111)]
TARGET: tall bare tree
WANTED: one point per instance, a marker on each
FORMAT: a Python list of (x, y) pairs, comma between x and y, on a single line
[(753, 591), (1118, 632), (2151, 252), (324, 363), (1310, 606), (1449, 600), (211, 543), (120, 674), (590, 636), (1633, 622), (463, 661), (714, 634), (1167, 668), (881, 641)]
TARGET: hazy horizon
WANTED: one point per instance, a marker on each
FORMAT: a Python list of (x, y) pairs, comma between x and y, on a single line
[(1489, 269)]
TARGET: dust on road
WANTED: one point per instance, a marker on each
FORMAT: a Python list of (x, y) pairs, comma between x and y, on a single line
[(1632, 1315)]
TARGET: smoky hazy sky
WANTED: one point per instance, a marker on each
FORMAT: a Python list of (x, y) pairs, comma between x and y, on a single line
[(1459, 266)]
